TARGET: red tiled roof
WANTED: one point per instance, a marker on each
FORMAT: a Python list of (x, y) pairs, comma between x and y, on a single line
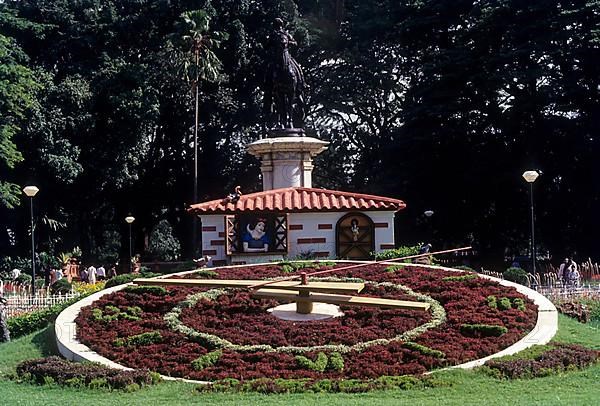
[(299, 199)]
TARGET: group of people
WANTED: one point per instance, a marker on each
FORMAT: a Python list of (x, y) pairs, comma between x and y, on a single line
[(568, 273), (92, 274)]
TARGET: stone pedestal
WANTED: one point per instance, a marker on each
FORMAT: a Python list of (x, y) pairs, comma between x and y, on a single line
[(287, 161)]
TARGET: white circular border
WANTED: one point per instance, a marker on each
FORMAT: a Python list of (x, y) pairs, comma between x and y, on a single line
[(66, 330)]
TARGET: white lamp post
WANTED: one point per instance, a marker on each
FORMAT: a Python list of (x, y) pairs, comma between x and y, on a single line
[(530, 177), (31, 191), (130, 219)]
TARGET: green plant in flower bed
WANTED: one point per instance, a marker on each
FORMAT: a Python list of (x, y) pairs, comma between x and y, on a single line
[(128, 277), (146, 290), (150, 337), (293, 266), (504, 304), (461, 278), (560, 358), (112, 313), (482, 330), (394, 268), (519, 304), (266, 385), (206, 274), (55, 370), (492, 302), (400, 252), (206, 360), (424, 349), (318, 365), (464, 268)]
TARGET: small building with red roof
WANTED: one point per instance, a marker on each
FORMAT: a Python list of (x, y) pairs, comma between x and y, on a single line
[(289, 218)]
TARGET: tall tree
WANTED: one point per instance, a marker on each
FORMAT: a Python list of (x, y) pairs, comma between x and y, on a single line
[(17, 94), (203, 64)]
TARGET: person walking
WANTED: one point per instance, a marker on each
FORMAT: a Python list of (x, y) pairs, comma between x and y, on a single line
[(101, 273), (92, 274)]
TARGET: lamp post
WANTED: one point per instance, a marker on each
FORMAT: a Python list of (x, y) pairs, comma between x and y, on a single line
[(428, 214), (530, 177), (31, 191), (130, 219)]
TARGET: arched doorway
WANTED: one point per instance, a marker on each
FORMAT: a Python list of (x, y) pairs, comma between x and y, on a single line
[(355, 236)]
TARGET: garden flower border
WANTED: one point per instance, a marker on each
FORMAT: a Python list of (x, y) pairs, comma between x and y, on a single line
[(69, 347)]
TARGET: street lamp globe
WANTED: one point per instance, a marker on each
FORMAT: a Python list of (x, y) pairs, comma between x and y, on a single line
[(428, 213), (530, 176), (129, 219), (31, 191)]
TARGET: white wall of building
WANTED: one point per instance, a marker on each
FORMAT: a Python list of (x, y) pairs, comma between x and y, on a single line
[(306, 232)]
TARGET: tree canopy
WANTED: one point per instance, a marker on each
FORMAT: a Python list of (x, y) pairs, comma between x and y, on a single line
[(441, 103)]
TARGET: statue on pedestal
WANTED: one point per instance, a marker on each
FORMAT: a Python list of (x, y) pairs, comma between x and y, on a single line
[(284, 85)]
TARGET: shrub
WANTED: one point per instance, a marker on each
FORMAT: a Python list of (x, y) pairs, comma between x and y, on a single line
[(146, 290), (394, 268), (482, 330), (504, 304), (517, 275), (559, 359), (55, 370), (61, 286), (291, 266), (400, 252), (24, 279), (465, 268), (519, 304), (128, 277), (424, 350), (491, 302), (88, 288), (206, 360), (336, 362), (206, 273), (460, 278), (266, 385), (150, 337), (319, 365)]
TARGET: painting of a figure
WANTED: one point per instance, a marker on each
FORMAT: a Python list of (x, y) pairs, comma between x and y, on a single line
[(255, 237)]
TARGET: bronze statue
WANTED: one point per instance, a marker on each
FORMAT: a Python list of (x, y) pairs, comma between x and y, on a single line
[(284, 82)]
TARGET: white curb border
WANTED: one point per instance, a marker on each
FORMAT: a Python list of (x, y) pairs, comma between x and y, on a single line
[(66, 330)]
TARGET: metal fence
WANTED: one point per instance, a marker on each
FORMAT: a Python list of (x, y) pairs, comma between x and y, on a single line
[(20, 304)]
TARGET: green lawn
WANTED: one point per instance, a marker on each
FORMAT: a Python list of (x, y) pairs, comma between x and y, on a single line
[(468, 387)]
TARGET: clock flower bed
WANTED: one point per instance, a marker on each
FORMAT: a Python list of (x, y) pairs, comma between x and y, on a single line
[(213, 334)]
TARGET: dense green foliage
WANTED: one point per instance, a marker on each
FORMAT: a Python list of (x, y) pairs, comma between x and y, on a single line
[(33, 321), (128, 277), (206, 360), (400, 252), (440, 103), (55, 370), (517, 275)]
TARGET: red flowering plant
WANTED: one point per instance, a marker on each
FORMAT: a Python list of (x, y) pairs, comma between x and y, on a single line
[(212, 334)]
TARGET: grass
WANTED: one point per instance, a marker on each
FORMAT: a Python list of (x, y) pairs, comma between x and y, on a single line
[(468, 387)]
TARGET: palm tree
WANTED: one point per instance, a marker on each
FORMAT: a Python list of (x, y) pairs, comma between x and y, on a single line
[(201, 64)]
